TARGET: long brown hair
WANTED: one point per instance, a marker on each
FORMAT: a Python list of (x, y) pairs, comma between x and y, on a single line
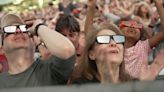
[(86, 67), (139, 12)]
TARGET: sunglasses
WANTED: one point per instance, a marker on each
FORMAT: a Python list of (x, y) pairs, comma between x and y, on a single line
[(132, 24), (105, 39), (12, 29)]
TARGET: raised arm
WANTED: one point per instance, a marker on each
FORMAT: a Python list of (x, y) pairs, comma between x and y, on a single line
[(90, 15), (126, 12), (155, 40), (151, 72), (56, 43), (45, 53)]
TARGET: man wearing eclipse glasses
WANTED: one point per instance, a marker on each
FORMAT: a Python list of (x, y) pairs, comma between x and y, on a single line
[(19, 48)]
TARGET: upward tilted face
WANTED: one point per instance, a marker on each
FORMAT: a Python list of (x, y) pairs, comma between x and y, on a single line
[(144, 9), (131, 29), (16, 37), (108, 47)]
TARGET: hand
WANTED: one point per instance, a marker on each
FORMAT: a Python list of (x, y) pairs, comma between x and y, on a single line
[(154, 18), (32, 29), (91, 3), (150, 72), (36, 40), (57, 15), (159, 59)]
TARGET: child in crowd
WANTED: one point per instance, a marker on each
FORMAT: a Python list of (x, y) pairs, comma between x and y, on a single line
[(136, 50)]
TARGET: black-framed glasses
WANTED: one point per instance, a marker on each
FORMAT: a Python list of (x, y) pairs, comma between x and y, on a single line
[(105, 39), (12, 28)]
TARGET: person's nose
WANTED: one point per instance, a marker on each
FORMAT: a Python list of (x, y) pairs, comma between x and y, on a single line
[(112, 43), (18, 30)]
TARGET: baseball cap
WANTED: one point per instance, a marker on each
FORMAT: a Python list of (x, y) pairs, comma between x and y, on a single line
[(10, 19)]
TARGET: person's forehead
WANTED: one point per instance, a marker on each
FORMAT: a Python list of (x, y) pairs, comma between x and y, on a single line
[(106, 32), (13, 24), (67, 30)]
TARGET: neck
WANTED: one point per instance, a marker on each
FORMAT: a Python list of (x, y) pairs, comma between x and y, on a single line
[(144, 16), (129, 43), (19, 61), (109, 73)]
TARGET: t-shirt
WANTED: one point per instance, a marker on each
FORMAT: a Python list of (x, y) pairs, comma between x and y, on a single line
[(54, 71), (4, 63), (135, 57)]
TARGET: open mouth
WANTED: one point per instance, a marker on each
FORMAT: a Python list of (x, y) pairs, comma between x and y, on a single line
[(131, 31), (113, 51)]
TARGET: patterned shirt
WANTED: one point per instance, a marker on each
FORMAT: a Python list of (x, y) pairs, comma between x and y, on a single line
[(136, 57)]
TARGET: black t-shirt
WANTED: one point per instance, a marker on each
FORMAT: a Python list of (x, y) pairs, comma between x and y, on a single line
[(53, 71)]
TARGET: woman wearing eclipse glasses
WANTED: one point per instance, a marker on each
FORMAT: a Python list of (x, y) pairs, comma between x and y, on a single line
[(102, 58), (19, 48)]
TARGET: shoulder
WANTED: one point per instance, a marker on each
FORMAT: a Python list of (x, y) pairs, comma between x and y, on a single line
[(3, 77), (142, 44)]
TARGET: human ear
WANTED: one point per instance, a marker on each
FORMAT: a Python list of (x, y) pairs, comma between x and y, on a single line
[(92, 55)]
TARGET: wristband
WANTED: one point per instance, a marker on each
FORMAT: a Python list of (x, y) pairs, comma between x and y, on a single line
[(150, 26), (41, 43), (37, 27)]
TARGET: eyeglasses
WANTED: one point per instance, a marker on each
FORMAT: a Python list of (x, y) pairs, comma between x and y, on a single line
[(105, 39), (132, 24), (12, 29)]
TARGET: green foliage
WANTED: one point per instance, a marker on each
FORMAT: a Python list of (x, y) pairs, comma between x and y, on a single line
[(26, 5), (23, 5)]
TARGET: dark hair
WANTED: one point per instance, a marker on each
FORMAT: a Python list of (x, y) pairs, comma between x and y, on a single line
[(69, 22), (143, 33)]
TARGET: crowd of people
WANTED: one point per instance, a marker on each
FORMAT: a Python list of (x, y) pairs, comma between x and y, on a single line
[(96, 41)]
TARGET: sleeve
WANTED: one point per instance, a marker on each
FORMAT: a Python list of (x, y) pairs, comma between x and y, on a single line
[(60, 68), (145, 45)]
